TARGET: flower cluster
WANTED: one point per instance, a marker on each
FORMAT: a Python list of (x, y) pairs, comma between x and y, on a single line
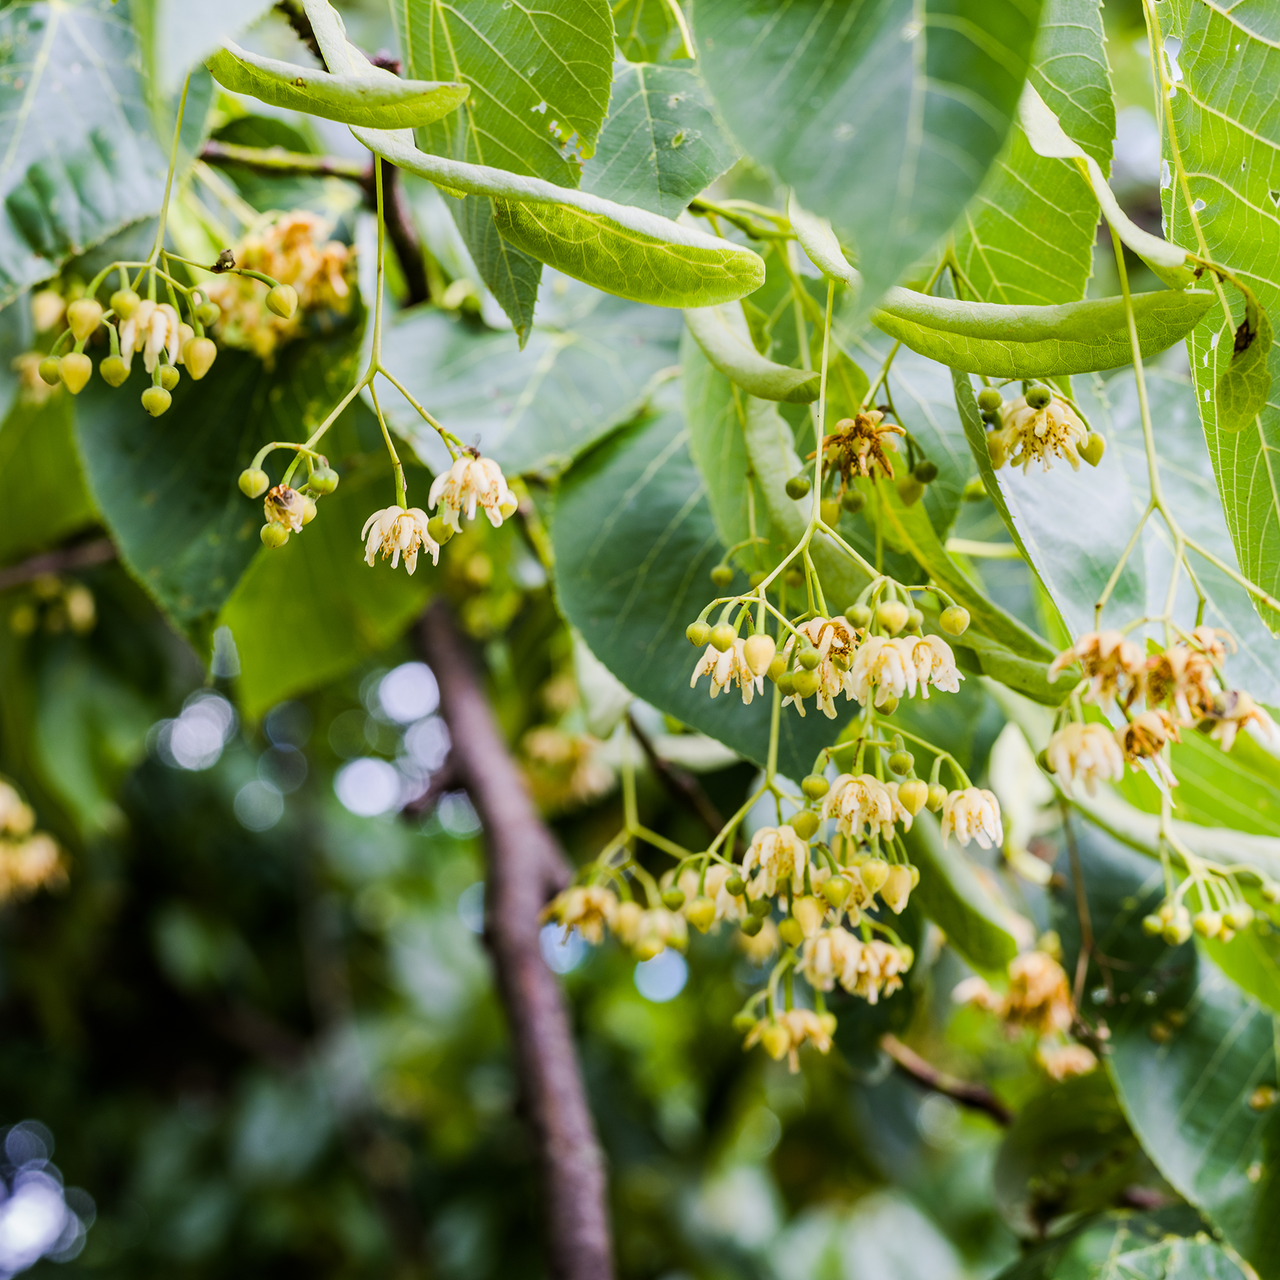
[(866, 969), (55, 605), (29, 859), (295, 250), (858, 445), (591, 909), (564, 769), (783, 1035), (1038, 429), (1180, 686)]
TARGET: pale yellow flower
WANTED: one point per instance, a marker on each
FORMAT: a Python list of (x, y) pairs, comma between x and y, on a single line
[(396, 531), (1086, 753), (1040, 435), (863, 804), (153, 328), (775, 856), (724, 668), (472, 481), (1061, 1060), (973, 814), (587, 908), (900, 666), (1113, 666), (1234, 712)]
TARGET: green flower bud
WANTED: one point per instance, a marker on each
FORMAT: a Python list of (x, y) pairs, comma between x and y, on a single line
[(809, 658), (913, 794), (114, 371), (815, 786), (324, 480), (124, 302), (926, 472), (308, 509), (723, 636), (1152, 925), (888, 706), (874, 872), (1038, 396), (50, 370), (274, 535), (837, 890), (208, 313), (806, 683), (990, 400), (751, 926), (793, 578), (786, 683), (673, 899), (955, 620), (282, 300), (776, 1040), (736, 885), (892, 615), (697, 633), (744, 1021), (760, 907), (1208, 924), (902, 762), (156, 400), (75, 368), (253, 482), (198, 354), (83, 317), (798, 487), (1093, 448), (853, 501), (757, 578), (759, 652), (915, 619), (1239, 915), (859, 615), (701, 913), (910, 490), (169, 377), (829, 510), (722, 575), (776, 668), (805, 823), (790, 932), (937, 796), (439, 530)]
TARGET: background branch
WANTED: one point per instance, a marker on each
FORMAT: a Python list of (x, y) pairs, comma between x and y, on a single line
[(976, 1097), (524, 865), (84, 555)]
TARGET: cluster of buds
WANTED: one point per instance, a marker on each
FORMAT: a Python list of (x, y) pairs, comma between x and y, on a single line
[(1222, 915), (1038, 999), (782, 1035), (29, 859), (873, 656), (55, 605), (287, 510), (593, 908), (868, 969), (310, 274), (472, 481), (1038, 426), (1159, 695)]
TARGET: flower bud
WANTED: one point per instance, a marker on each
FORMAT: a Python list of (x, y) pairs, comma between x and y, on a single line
[(990, 400), (697, 633), (736, 885), (75, 368), (1093, 448), (1239, 915), (776, 1041), (888, 706), (760, 907), (83, 317), (282, 300), (827, 1021), (701, 913), (805, 823), (910, 490), (936, 798), (776, 668), (751, 926), (913, 795), (253, 482), (114, 371), (902, 761), (1208, 924), (721, 575), (1038, 396), (49, 370), (853, 500), (897, 889), (798, 487), (647, 948), (743, 1022), (815, 786), (673, 899), (124, 302), (1271, 891), (790, 932), (274, 535), (308, 509), (858, 616), (723, 636), (806, 683), (759, 652), (925, 471), (809, 914), (829, 510), (324, 480), (809, 658), (439, 530), (998, 448), (1152, 925), (874, 872), (198, 355), (955, 620), (156, 400), (892, 615), (169, 377), (915, 620), (786, 683), (208, 313), (837, 890)]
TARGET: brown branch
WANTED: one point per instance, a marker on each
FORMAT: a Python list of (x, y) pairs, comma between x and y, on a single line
[(286, 164), (977, 1097), (682, 784), (521, 855), (84, 555), (444, 779)]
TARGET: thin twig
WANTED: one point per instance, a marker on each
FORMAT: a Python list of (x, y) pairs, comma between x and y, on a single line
[(681, 783), (521, 856), (977, 1097), (84, 555), (282, 163), (1082, 911)]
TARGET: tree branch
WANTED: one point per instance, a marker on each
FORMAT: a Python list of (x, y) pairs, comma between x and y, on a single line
[(977, 1097), (682, 784), (84, 555), (523, 857)]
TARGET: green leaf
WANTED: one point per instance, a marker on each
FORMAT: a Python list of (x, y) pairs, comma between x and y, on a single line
[(1243, 389), (79, 159), (634, 544), (166, 487), (42, 493), (533, 410), (378, 101), (340, 610), (1028, 235), (1038, 342), (1223, 120), (725, 340), (172, 43), (1072, 557), (660, 145), (1187, 1051), (950, 895), (540, 79), (651, 30), (883, 117)]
